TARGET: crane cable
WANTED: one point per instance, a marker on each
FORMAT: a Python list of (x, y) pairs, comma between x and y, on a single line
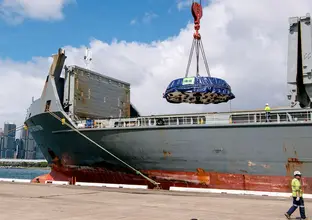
[(135, 170), (197, 43)]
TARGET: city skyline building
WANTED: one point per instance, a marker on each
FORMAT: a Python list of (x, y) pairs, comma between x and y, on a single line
[(23, 147)]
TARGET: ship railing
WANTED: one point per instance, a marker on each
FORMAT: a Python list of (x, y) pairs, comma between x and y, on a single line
[(200, 119)]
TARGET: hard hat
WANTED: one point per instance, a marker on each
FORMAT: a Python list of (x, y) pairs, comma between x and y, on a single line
[(267, 104), (297, 173)]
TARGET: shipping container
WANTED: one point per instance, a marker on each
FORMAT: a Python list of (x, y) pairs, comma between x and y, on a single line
[(88, 94)]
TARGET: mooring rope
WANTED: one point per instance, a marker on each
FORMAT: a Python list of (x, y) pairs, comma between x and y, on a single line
[(117, 158)]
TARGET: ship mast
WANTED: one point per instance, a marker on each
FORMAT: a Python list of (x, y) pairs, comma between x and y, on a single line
[(197, 44), (87, 57)]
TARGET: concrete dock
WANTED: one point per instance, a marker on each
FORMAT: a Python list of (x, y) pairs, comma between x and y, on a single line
[(36, 201)]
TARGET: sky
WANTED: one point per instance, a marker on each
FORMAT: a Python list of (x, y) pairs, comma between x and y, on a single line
[(147, 43)]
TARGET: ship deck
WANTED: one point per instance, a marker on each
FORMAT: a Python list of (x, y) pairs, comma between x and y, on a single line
[(235, 118), (37, 201)]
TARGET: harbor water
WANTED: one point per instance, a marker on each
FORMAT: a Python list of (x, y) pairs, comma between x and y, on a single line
[(22, 173)]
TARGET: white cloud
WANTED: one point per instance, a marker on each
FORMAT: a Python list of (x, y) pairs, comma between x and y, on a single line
[(15, 11), (149, 16), (18, 83), (146, 18), (245, 44), (184, 4), (133, 22)]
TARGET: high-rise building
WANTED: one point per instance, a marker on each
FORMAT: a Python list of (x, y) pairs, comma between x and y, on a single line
[(24, 147), (20, 149), (1, 141), (28, 146), (9, 145)]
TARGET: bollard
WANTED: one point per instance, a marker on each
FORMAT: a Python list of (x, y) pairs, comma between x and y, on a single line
[(72, 181)]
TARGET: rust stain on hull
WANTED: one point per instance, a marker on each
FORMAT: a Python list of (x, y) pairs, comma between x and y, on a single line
[(284, 148), (196, 179), (166, 153), (292, 165), (202, 176)]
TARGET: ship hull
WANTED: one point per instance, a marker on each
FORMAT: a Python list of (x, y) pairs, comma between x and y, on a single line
[(250, 157)]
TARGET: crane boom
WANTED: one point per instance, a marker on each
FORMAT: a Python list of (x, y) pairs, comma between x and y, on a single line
[(299, 63)]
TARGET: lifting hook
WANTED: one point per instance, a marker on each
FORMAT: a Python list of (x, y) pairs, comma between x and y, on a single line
[(197, 12)]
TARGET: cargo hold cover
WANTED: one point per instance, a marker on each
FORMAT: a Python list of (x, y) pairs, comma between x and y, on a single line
[(92, 95)]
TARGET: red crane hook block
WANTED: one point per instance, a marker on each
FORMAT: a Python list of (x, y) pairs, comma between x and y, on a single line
[(197, 12)]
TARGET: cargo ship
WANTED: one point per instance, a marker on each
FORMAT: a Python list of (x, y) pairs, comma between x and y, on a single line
[(89, 131)]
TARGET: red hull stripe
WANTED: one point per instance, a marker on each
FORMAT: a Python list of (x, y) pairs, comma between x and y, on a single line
[(167, 179)]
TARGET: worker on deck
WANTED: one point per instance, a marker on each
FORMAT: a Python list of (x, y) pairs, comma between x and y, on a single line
[(297, 196), (267, 110)]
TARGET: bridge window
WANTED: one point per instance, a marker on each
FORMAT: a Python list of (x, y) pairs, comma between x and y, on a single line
[(47, 106)]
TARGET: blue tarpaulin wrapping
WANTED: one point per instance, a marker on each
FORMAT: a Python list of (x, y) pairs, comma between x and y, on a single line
[(198, 90), (89, 123)]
